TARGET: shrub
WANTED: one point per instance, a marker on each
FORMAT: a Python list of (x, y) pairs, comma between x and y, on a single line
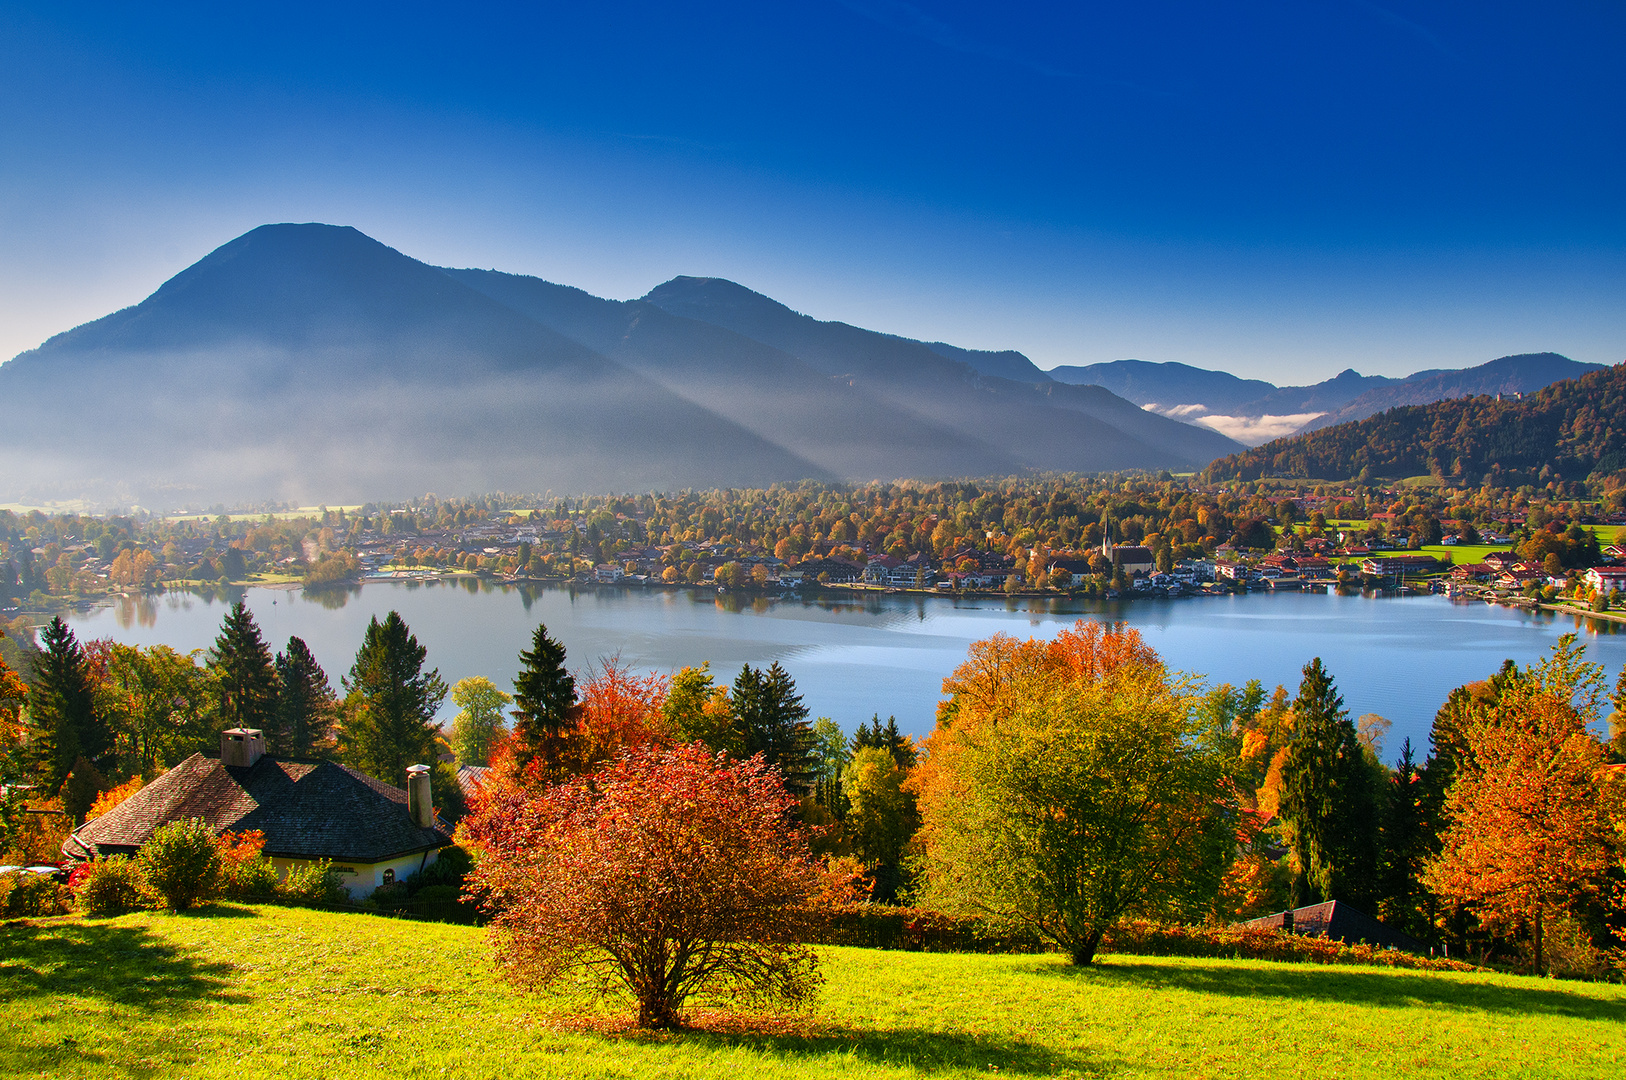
[(25, 894), (182, 864), (109, 887), (246, 874), (449, 868), (314, 883)]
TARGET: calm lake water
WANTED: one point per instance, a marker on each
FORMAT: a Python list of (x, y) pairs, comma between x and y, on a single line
[(1396, 656)]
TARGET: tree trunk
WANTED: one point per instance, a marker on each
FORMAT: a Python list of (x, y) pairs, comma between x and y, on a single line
[(1540, 967), (1083, 949)]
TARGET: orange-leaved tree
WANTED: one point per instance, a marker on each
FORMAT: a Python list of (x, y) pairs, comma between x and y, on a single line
[(670, 876), (1069, 784), (1530, 835)]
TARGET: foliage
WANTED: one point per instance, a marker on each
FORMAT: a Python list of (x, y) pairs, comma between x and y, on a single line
[(181, 863), (1065, 787), (161, 705), (1529, 837), (697, 710), (64, 723), (479, 725), (544, 696), (881, 815), (669, 876), (314, 883), (772, 721), (306, 704), (244, 678), (1330, 798), (389, 714), (619, 711), (109, 887), (24, 894), (110, 798), (245, 872)]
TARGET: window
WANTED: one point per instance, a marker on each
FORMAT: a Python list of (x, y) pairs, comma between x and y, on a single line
[(389, 877)]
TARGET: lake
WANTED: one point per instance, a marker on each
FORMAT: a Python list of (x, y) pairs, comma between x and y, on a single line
[(1396, 656)]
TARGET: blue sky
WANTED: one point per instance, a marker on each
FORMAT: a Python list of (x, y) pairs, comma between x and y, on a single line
[(1281, 190)]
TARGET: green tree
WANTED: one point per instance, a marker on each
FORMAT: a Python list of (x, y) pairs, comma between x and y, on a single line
[(306, 704), (389, 713), (881, 814), (887, 738), (64, 721), (830, 757), (773, 722), (544, 694), (1329, 800), (245, 679), (697, 710), (479, 722), (1407, 841), (161, 708)]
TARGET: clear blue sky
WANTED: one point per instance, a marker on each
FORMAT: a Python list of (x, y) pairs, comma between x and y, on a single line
[(1281, 190)]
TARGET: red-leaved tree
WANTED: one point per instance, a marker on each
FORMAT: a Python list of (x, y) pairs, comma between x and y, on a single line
[(670, 876)]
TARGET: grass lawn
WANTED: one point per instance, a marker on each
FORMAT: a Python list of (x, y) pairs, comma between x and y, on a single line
[(272, 992)]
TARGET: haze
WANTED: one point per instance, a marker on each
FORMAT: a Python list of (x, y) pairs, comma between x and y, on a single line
[(1271, 189)]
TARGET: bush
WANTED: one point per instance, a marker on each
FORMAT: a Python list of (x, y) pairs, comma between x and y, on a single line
[(24, 894), (314, 883), (1142, 938), (182, 864), (449, 868), (109, 887), (245, 873)]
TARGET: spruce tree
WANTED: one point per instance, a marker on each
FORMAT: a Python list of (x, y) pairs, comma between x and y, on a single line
[(773, 721), (887, 738), (1329, 799), (64, 723), (389, 709), (305, 704), (245, 677), (544, 693)]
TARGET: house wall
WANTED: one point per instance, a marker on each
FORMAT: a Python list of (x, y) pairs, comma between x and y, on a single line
[(362, 878)]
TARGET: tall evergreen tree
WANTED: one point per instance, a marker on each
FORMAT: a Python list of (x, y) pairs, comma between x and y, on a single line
[(1407, 842), (1329, 798), (64, 723), (544, 693), (244, 674), (773, 721), (305, 704), (389, 710), (887, 738)]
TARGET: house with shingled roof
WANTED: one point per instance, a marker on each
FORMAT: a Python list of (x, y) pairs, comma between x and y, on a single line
[(374, 833)]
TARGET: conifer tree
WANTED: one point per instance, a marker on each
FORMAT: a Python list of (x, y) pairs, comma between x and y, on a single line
[(64, 723), (544, 693), (305, 704), (887, 738), (244, 674), (1328, 798), (773, 723), (389, 709)]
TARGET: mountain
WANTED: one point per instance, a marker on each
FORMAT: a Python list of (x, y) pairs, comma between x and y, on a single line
[(312, 363), (1254, 412), (1043, 423), (1569, 430)]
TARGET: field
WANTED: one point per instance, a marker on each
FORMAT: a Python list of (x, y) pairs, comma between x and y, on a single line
[(274, 992)]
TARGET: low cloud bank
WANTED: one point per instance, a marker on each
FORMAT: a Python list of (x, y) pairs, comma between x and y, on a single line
[(1247, 430)]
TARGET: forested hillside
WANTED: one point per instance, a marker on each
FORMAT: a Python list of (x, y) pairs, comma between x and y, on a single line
[(1570, 430)]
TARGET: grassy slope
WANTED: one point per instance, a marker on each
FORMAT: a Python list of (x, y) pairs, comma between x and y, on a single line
[(244, 992)]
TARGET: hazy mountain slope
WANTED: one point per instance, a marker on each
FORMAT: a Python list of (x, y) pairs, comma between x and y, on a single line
[(1521, 374), (312, 362), (842, 429), (1169, 384), (1044, 425), (1005, 364), (1567, 431)]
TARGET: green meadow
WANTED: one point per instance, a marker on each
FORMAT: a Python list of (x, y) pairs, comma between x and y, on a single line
[(235, 991)]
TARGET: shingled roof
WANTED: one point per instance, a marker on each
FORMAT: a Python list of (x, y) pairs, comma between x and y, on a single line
[(306, 809)]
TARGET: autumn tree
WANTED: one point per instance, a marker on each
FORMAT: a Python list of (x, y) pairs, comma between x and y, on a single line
[(1067, 786), (245, 679), (619, 711), (160, 708), (697, 710), (389, 710), (307, 707), (1330, 801), (544, 697), (65, 723), (1529, 836), (479, 725), (881, 816), (668, 877)]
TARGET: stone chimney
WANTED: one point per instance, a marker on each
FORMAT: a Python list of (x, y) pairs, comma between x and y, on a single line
[(241, 747), (420, 801)]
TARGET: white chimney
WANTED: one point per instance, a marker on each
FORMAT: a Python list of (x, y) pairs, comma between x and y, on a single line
[(420, 803), (241, 747)]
